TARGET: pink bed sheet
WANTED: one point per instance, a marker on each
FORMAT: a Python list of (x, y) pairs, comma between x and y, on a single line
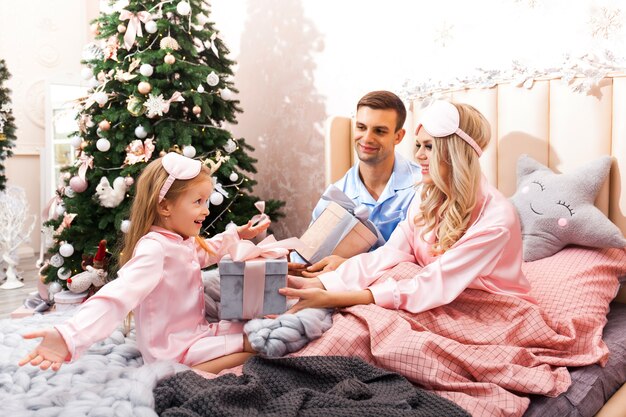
[(482, 351)]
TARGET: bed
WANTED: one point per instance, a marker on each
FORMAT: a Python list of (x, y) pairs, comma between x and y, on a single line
[(562, 127), (112, 380)]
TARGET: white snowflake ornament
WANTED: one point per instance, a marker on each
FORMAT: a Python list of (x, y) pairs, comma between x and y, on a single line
[(155, 105)]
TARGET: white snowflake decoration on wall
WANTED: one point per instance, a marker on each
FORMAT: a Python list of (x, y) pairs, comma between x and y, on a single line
[(444, 34), (606, 23)]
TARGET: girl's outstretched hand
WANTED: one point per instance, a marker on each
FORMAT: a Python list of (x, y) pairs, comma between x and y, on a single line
[(248, 231), (50, 353)]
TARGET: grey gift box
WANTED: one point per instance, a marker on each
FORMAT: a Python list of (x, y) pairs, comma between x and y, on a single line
[(231, 287)]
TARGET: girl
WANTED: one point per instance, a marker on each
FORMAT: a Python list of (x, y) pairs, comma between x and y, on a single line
[(159, 279), (462, 231)]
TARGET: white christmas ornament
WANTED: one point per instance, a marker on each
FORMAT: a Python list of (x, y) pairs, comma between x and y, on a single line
[(93, 82), (183, 8), (230, 146), (54, 288), (57, 260), (200, 89), (66, 250), (212, 79), (141, 132), (103, 144), (64, 273), (146, 70), (76, 141), (125, 226), (100, 97), (227, 94), (60, 209), (151, 26), (216, 199), (86, 73), (111, 196), (69, 192), (156, 105), (189, 151), (233, 177)]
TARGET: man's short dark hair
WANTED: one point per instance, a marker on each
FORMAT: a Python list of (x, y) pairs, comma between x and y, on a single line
[(385, 100)]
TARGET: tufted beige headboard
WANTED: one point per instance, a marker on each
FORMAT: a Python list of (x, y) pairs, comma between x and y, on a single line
[(557, 126)]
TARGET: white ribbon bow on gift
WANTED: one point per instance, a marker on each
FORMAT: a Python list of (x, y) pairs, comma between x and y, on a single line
[(361, 212)]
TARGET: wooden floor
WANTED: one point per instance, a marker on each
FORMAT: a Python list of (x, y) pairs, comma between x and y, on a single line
[(12, 299)]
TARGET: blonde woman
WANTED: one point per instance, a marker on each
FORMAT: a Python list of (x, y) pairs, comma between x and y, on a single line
[(159, 280), (462, 231)]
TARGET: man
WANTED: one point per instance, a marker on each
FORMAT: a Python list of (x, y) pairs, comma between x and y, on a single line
[(381, 180)]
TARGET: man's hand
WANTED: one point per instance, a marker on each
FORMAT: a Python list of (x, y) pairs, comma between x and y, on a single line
[(329, 263), (309, 298), (295, 268), (248, 231), (50, 353), (303, 283)]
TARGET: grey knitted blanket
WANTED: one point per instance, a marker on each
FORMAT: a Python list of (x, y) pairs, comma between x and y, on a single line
[(300, 386)]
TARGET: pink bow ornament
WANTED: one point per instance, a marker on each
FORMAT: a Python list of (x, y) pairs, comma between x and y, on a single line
[(133, 28), (67, 221)]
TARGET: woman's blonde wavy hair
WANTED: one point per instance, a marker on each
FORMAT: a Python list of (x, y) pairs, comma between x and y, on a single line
[(447, 203), (144, 213)]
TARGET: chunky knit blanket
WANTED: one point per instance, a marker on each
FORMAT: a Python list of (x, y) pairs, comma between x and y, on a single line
[(108, 380), (306, 386)]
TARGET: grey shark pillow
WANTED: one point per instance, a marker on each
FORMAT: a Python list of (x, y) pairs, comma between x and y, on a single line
[(556, 210)]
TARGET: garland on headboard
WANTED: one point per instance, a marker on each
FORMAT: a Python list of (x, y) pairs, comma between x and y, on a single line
[(581, 73)]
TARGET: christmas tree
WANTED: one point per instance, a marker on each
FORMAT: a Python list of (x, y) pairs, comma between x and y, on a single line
[(7, 123), (160, 81)]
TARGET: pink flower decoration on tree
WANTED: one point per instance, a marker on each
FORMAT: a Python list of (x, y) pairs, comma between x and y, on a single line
[(138, 151)]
